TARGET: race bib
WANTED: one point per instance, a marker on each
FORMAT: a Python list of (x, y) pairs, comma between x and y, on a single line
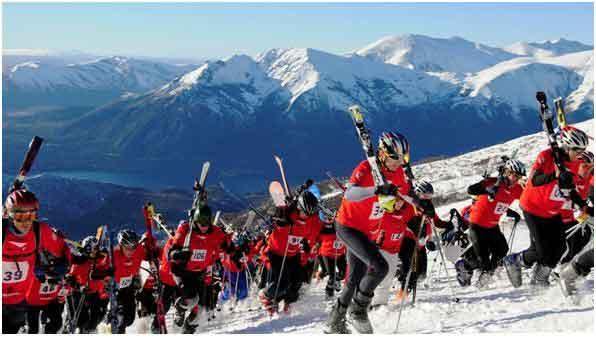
[(47, 288), (294, 240), (199, 255), (395, 237), (125, 282), (13, 273), (501, 208), (377, 211), (567, 205), (338, 244), (556, 194)]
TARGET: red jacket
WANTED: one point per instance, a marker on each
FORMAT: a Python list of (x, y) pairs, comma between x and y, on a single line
[(486, 213), (205, 248), (295, 232), (364, 215)]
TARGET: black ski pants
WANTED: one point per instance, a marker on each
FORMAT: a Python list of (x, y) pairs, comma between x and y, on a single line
[(336, 270), (366, 265), (489, 245), (13, 317), (547, 240), (169, 294), (406, 252), (576, 242), (126, 309), (584, 261), (290, 281), (51, 317)]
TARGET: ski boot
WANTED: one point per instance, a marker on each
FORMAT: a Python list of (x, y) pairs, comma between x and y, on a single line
[(337, 285), (464, 276), (329, 293), (484, 279), (513, 265), (269, 305), (567, 277), (179, 315), (358, 313), (192, 322), (540, 275), (336, 323)]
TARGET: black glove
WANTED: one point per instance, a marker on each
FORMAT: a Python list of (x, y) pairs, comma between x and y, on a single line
[(566, 180), (431, 246), (387, 189), (305, 246), (181, 255), (427, 208), (70, 280), (491, 192), (448, 236), (280, 218), (448, 226), (136, 283), (40, 273)]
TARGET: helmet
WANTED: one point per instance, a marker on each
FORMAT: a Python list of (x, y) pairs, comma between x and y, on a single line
[(202, 216), (393, 145), (570, 137), (516, 167), (424, 188), (21, 200), (128, 238), (308, 203), (88, 243), (587, 157)]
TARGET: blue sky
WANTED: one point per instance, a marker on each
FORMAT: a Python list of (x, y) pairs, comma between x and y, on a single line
[(199, 30)]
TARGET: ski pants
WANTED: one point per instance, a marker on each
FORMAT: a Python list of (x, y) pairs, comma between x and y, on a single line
[(547, 240), (576, 242), (336, 270), (126, 308), (51, 317), (384, 289), (307, 270), (93, 311), (168, 295), (290, 281), (584, 261), (367, 266), (490, 246), (14, 316), (406, 251), (237, 286), (191, 285)]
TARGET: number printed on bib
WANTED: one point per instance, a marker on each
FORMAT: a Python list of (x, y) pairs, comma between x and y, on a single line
[(556, 194), (377, 211), (125, 282), (501, 208), (338, 244), (14, 272), (47, 288), (294, 240), (199, 255), (396, 237)]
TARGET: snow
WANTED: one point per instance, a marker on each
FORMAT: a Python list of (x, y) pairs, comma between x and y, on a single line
[(547, 48), (498, 309)]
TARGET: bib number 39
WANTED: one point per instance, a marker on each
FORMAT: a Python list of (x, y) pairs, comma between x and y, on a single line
[(14, 272)]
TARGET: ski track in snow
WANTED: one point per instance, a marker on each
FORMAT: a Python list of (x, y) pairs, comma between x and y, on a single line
[(499, 308)]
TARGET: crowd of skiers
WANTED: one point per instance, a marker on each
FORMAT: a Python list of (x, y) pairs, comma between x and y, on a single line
[(379, 234)]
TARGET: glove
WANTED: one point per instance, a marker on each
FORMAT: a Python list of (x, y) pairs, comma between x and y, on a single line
[(448, 236), (387, 189), (491, 192), (40, 273), (427, 208), (566, 180), (70, 280), (181, 255), (431, 246)]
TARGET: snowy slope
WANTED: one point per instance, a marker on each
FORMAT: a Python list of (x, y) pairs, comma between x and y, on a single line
[(547, 48), (497, 309), (428, 54)]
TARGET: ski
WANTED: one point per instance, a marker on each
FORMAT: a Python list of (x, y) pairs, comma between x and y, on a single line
[(112, 317), (335, 181), (148, 211), (561, 117), (200, 197), (277, 194), (30, 156), (283, 175), (365, 141)]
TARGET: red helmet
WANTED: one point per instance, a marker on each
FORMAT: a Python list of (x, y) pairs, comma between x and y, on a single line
[(21, 200)]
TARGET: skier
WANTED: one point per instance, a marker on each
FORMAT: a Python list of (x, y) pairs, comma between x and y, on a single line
[(87, 278), (359, 212), (189, 264), (287, 239), (332, 253), (34, 260), (128, 255), (541, 202), (493, 198)]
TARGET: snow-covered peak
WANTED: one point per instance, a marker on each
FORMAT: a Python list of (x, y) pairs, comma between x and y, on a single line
[(429, 54), (547, 48), (24, 65)]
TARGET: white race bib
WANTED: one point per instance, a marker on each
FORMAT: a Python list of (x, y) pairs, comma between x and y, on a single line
[(47, 288), (395, 237), (501, 208), (556, 194), (199, 255), (294, 240), (13, 273), (377, 211), (338, 244)]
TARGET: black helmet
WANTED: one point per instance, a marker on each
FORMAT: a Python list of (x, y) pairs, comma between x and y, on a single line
[(202, 216), (128, 238), (424, 188), (308, 203), (89, 243)]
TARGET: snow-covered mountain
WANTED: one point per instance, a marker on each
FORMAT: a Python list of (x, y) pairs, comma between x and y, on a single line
[(38, 83), (428, 54), (547, 48)]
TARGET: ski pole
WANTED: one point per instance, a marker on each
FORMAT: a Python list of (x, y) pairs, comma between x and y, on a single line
[(283, 262), (456, 299), (512, 237)]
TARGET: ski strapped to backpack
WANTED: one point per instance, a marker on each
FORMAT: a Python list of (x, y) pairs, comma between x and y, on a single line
[(30, 156), (199, 199), (148, 212)]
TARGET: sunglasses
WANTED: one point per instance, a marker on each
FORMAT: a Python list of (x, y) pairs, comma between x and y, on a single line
[(577, 149), (24, 215)]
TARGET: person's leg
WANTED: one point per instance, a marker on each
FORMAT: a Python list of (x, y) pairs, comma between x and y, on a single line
[(53, 313), (14, 317), (33, 319)]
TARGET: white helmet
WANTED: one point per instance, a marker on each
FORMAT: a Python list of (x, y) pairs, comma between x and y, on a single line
[(570, 137)]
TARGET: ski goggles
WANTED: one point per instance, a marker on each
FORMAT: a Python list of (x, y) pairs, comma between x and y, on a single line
[(24, 215), (577, 149)]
